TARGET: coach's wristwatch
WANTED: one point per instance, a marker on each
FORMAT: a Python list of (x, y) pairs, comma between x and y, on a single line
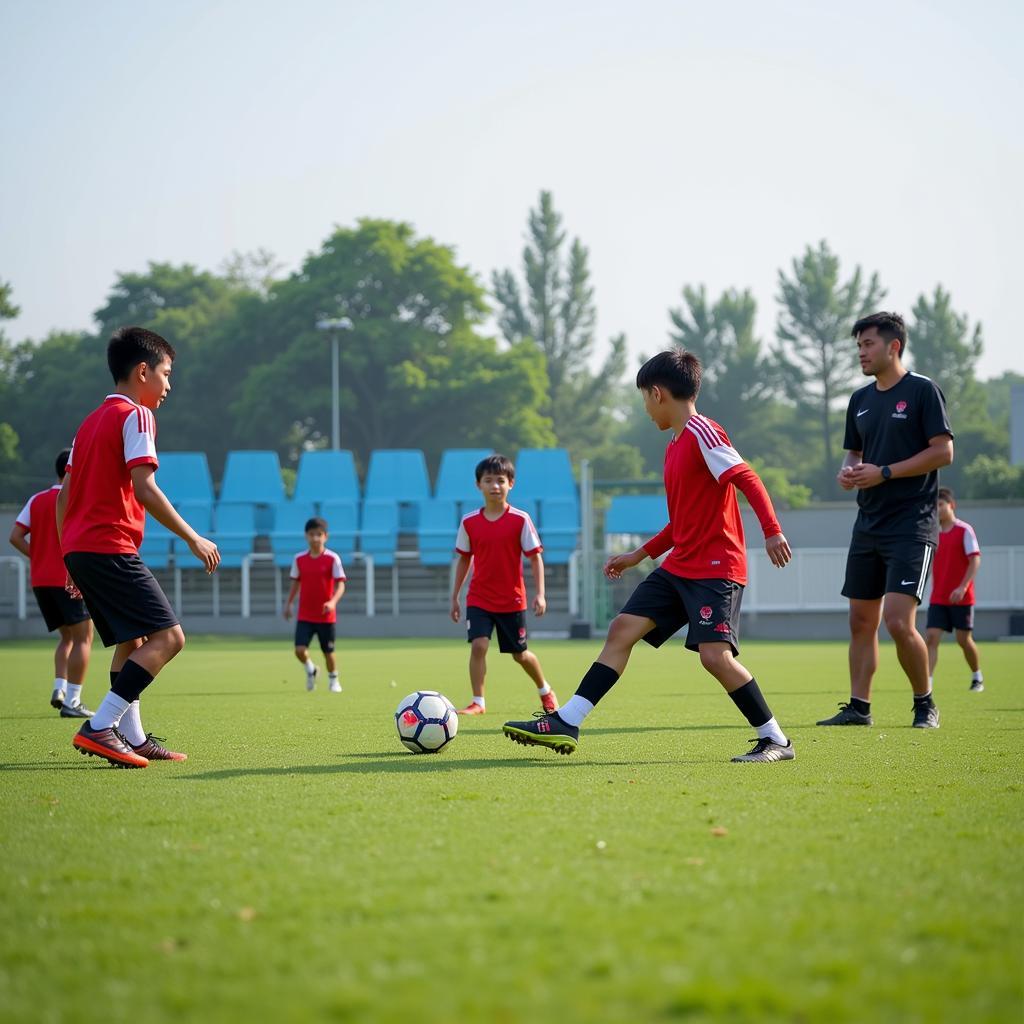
[(886, 472)]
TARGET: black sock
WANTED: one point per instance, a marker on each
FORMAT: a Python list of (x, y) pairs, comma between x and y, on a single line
[(131, 681), (923, 701), (749, 699), (862, 707), (597, 682)]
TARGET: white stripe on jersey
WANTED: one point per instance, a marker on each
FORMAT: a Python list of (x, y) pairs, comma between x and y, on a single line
[(719, 456), (138, 433)]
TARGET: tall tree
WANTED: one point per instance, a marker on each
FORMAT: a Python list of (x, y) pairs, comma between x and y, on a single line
[(558, 316), (814, 354)]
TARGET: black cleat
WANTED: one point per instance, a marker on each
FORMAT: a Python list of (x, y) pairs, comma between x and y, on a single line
[(977, 686), (544, 731), (75, 711), (926, 716), (57, 699), (766, 749), (847, 715)]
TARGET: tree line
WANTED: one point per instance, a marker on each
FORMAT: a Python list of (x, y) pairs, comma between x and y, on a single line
[(434, 359)]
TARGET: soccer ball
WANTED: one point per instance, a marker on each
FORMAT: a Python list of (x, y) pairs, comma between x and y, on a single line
[(426, 721)]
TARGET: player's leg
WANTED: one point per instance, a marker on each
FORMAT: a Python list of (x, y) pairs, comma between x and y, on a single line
[(965, 638), (325, 632), (900, 612), (478, 647), (303, 634), (80, 634), (932, 638), (61, 656), (530, 664)]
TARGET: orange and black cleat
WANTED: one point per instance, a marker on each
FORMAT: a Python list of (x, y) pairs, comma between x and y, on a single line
[(153, 751), (108, 744)]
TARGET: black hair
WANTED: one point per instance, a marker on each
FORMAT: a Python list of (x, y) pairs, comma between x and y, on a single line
[(61, 464), (890, 327), (677, 371), (946, 494), (496, 465), (130, 346), (316, 523)]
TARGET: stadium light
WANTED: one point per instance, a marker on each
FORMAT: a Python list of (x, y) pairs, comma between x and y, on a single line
[(334, 327)]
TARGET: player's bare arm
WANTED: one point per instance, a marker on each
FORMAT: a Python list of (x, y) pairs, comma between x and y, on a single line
[(156, 504), (62, 505), (618, 564), (329, 606), (973, 563), (939, 453), (779, 551), (293, 592), (17, 539), (844, 476), (461, 572), (540, 603)]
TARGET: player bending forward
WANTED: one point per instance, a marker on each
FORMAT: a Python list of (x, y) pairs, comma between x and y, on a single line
[(700, 584)]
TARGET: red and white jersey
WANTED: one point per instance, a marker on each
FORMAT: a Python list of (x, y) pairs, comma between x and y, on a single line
[(497, 547), (957, 546), (39, 520), (317, 579), (103, 515), (705, 530)]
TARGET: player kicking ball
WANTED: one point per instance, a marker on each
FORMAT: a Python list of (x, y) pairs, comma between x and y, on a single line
[(700, 584)]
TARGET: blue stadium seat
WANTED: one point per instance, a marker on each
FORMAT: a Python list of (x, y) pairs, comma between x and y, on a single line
[(342, 526), (326, 476), (439, 524), (155, 549), (645, 514), (561, 530), (379, 534), (185, 476), (456, 477), (198, 515), (543, 473), (288, 537), (399, 474), (234, 532), (254, 478)]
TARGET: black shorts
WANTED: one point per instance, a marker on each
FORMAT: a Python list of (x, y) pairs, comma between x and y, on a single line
[(511, 627), (710, 607), (59, 608), (948, 617), (304, 631), (877, 566), (123, 598)]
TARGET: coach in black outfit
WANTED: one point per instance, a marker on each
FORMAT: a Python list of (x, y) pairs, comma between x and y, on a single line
[(897, 438)]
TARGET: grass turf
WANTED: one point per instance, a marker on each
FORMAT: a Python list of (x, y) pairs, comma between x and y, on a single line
[(302, 866)]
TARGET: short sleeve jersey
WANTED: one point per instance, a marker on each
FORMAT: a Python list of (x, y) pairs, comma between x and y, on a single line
[(957, 546), (705, 526), (890, 426), (317, 579), (497, 547), (103, 515), (39, 520)]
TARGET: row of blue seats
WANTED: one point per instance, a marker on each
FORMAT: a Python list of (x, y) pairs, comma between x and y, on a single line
[(371, 528)]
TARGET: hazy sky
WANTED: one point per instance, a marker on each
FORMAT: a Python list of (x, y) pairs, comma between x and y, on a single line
[(684, 142)]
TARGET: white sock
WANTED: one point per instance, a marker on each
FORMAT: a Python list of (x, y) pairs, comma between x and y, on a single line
[(977, 677), (771, 730), (310, 667), (481, 702), (544, 690), (109, 713), (332, 677), (575, 711), (930, 682), (60, 683), (131, 725), (73, 695)]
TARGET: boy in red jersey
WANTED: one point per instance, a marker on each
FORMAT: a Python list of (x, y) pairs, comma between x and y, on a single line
[(495, 538), (700, 584), (952, 603), (101, 512), (62, 612), (318, 578)]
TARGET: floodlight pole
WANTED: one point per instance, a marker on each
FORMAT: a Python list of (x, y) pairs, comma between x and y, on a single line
[(334, 326)]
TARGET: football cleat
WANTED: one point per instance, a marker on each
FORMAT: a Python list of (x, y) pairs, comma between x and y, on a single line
[(544, 731), (472, 709), (335, 686), (75, 711), (977, 686), (57, 699), (847, 715), (311, 678), (549, 702), (153, 751), (926, 716), (108, 744), (766, 749)]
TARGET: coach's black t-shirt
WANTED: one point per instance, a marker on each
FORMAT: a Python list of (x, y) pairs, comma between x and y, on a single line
[(887, 427)]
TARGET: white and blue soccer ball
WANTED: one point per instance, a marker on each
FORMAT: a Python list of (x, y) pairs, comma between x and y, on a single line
[(426, 721)]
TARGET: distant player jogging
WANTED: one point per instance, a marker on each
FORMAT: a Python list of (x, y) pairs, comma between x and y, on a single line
[(700, 584), (897, 438)]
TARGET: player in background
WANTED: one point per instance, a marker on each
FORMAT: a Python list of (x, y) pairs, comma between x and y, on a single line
[(101, 512), (34, 534), (951, 608), (897, 438), (318, 580), (700, 584), (495, 539)]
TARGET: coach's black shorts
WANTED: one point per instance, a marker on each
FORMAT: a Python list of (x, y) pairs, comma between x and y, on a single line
[(59, 608), (948, 617), (511, 627), (324, 631), (710, 607), (877, 566), (123, 598)]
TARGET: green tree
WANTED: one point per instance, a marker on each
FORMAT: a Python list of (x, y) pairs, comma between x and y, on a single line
[(992, 476), (814, 354), (557, 315)]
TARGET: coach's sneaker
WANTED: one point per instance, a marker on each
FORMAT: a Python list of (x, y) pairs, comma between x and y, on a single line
[(766, 749), (75, 711), (977, 686), (311, 678), (549, 702), (472, 709), (847, 715), (108, 744), (153, 751), (544, 731), (57, 699), (926, 716)]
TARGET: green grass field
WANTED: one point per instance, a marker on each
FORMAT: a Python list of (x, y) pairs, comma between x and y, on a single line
[(302, 866)]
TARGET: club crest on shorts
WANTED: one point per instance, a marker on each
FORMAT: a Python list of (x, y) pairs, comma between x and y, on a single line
[(705, 615)]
